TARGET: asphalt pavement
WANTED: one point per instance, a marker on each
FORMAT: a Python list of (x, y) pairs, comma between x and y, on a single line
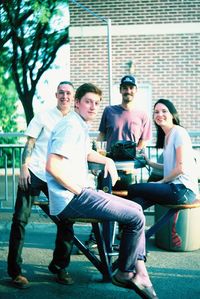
[(174, 274)]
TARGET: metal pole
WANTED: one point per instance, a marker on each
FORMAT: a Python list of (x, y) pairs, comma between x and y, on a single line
[(109, 40)]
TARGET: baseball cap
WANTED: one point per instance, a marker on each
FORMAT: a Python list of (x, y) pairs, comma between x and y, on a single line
[(128, 79)]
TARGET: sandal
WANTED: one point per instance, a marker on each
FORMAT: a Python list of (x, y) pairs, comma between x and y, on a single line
[(142, 291)]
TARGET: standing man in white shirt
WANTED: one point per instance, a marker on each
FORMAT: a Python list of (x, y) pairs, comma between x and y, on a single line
[(32, 181)]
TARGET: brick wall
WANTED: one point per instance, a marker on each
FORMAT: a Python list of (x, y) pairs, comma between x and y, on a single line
[(135, 11), (169, 62)]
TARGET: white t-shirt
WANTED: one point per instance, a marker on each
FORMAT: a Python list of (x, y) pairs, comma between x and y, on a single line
[(69, 139), (180, 137), (40, 128)]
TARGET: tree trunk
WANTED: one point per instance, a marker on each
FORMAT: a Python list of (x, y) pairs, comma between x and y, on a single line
[(28, 108)]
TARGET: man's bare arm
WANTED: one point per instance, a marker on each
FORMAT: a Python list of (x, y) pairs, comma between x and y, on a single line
[(24, 177), (27, 152)]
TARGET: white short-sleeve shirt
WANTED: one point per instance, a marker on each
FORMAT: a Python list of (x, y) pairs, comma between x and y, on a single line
[(40, 128), (69, 139), (180, 137)]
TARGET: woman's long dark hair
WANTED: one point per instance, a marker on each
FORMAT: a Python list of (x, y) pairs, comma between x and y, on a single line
[(175, 119)]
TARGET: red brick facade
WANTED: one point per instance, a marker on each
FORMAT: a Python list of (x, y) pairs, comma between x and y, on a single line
[(160, 37)]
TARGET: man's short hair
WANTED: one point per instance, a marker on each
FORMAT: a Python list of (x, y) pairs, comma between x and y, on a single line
[(85, 88), (66, 82)]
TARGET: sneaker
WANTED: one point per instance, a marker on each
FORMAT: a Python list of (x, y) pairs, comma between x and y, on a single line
[(91, 242), (20, 282), (64, 277)]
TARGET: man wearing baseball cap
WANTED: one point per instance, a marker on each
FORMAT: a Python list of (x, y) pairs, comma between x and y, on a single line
[(129, 80), (124, 122)]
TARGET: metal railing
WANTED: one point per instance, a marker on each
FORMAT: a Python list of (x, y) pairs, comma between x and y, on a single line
[(10, 161)]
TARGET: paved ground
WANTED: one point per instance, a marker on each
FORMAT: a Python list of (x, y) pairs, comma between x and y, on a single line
[(174, 274)]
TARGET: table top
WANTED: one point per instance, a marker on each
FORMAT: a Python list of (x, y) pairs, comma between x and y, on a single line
[(120, 165)]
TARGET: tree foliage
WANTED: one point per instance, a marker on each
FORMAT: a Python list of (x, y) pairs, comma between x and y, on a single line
[(31, 39), (8, 98)]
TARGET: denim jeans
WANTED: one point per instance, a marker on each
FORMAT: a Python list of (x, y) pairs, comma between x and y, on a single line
[(107, 207), (148, 194), (23, 205)]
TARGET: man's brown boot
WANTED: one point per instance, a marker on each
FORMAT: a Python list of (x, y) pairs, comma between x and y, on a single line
[(20, 282)]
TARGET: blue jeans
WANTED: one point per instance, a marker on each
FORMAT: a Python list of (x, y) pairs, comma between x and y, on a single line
[(107, 207), (23, 205), (148, 194)]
